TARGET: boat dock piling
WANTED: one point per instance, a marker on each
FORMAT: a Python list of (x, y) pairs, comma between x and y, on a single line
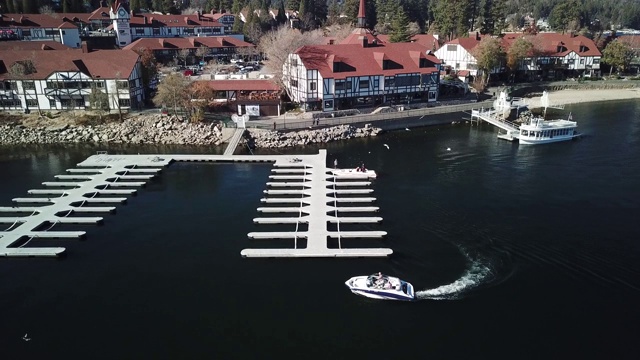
[(312, 192)]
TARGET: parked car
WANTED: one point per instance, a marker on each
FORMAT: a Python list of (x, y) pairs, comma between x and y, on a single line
[(247, 69), (188, 73)]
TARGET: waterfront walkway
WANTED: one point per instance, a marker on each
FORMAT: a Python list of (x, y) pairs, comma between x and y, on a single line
[(313, 200)]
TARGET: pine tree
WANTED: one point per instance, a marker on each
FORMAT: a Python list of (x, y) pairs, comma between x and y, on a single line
[(399, 27), (281, 18), (134, 5), (27, 7), (66, 6), (236, 7), (302, 9)]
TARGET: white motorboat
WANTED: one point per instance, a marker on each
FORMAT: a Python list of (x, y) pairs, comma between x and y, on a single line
[(357, 173), (379, 286)]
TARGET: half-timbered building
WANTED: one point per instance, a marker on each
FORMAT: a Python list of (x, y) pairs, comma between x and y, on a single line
[(557, 56), (166, 49), (360, 71), (335, 77), (65, 79)]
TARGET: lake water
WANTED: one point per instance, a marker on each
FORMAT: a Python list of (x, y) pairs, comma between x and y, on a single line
[(518, 252)]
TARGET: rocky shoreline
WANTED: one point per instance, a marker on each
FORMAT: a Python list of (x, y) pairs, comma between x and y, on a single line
[(155, 129), (259, 138), (161, 129)]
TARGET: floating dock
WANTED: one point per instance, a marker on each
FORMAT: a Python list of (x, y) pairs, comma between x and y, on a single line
[(315, 199)]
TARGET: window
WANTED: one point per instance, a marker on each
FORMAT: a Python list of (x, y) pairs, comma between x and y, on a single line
[(571, 61), (453, 47), (294, 62), (50, 32), (328, 104), (124, 102), (312, 86), (432, 95), (29, 85), (80, 103), (26, 32), (52, 103), (32, 102), (66, 103), (122, 84), (364, 84), (581, 61), (99, 84), (63, 32), (156, 31), (139, 31), (389, 82), (339, 85), (293, 83), (188, 31), (168, 30), (9, 102), (596, 61)]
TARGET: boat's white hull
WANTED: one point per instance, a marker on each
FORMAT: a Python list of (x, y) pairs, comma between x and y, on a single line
[(353, 174), (532, 141), (404, 292)]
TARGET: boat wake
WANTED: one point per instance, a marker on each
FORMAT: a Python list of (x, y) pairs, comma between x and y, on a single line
[(479, 272)]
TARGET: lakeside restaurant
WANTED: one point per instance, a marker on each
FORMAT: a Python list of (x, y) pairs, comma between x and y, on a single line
[(251, 97)]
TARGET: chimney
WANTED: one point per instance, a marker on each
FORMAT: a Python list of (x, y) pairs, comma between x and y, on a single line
[(477, 36), (146, 20), (85, 47), (364, 42)]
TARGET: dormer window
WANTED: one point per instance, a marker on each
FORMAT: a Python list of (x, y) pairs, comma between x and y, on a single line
[(583, 48)]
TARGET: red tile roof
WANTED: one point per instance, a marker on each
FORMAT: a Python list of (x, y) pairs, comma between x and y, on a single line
[(32, 45), (427, 40), (243, 85), (187, 43), (105, 64), (363, 61), (632, 40), (357, 36), (40, 20), (554, 44), (157, 20)]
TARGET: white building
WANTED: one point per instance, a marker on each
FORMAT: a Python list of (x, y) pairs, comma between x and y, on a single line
[(65, 79), (335, 77)]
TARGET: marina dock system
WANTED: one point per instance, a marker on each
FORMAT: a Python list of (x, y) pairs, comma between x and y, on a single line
[(313, 197)]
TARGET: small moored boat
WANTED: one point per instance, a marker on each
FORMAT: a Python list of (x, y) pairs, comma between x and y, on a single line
[(357, 173), (379, 286)]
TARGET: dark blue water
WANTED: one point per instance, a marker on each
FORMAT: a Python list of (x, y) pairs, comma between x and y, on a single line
[(519, 252)]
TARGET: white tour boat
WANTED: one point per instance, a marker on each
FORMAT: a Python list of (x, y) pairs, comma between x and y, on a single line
[(379, 286), (357, 173), (541, 131)]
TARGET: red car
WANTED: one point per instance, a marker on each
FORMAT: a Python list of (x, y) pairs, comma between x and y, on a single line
[(188, 72)]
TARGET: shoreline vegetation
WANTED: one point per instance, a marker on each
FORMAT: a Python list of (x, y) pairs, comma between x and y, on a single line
[(163, 129)]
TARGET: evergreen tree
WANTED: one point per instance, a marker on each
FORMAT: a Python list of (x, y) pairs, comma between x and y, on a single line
[(333, 12), (281, 18), (302, 9), (27, 7), (134, 5), (236, 7), (224, 5), (399, 27), (292, 4), (66, 6)]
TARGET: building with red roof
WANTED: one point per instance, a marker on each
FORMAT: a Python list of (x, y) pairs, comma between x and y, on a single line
[(554, 55), (252, 97), (361, 72), (166, 49), (65, 79)]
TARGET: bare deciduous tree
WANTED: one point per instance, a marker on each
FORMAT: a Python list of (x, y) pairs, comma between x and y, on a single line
[(278, 44), (172, 91), (184, 55), (202, 52), (339, 31)]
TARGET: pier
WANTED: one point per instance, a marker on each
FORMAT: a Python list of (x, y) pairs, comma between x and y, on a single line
[(316, 199)]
